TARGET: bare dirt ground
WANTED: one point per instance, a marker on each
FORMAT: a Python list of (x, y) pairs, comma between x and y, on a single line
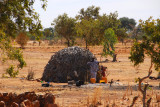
[(120, 94)]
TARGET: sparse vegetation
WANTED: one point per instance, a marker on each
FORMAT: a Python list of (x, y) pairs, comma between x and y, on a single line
[(150, 47), (31, 74), (99, 34)]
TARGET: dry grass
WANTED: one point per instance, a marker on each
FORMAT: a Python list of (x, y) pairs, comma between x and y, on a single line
[(38, 56), (96, 98), (31, 74)]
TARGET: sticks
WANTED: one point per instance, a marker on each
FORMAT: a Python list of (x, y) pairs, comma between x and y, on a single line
[(143, 91), (134, 100)]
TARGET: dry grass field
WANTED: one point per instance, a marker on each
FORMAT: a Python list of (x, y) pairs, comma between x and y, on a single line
[(120, 94)]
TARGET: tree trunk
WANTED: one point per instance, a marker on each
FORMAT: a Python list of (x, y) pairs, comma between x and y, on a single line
[(143, 91), (40, 43), (122, 40), (68, 43), (114, 57), (86, 45), (158, 77), (22, 46), (144, 98)]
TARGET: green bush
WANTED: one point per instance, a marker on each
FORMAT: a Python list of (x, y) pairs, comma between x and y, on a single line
[(11, 72)]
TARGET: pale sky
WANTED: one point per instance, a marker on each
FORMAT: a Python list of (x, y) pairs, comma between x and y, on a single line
[(137, 9)]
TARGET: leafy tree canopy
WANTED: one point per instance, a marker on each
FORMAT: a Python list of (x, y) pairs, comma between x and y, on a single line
[(127, 23), (16, 16), (110, 39), (93, 30), (91, 12), (111, 21), (65, 27), (150, 44), (48, 33), (89, 30)]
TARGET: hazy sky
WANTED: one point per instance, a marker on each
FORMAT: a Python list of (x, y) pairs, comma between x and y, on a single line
[(137, 9)]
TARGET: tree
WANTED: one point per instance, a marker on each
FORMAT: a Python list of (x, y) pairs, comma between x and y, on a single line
[(111, 21), (121, 34), (89, 31), (22, 39), (137, 33), (91, 12), (65, 27), (15, 16), (127, 23), (150, 46), (110, 39), (87, 24), (48, 33)]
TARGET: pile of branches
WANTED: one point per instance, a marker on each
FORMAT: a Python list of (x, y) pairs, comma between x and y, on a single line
[(68, 64)]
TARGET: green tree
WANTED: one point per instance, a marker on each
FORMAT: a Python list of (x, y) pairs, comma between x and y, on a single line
[(127, 23), (89, 31), (65, 27), (15, 16), (111, 21), (87, 24), (91, 12), (121, 34), (31, 36), (48, 33), (150, 46), (110, 39)]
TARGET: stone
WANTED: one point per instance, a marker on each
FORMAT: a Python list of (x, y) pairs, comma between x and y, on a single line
[(2, 104), (14, 104), (21, 97), (27, 103), (6, 97), (5, 94), (49, 99), (1, 96), (50, 105), (36, 103), (27, 99), (32, 96), (22, 104), (158, 97), (14, 98), (68, 64)]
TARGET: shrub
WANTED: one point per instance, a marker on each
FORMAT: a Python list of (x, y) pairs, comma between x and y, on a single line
[(31, 74), (22, 39), (11, 72), (51, 42)]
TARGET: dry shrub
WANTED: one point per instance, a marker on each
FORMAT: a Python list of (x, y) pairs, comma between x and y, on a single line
[(31, 74), (96, 97), (22, 39), (51, 42)]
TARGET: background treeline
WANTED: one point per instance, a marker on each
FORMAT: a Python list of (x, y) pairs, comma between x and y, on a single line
[(89, 26)]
